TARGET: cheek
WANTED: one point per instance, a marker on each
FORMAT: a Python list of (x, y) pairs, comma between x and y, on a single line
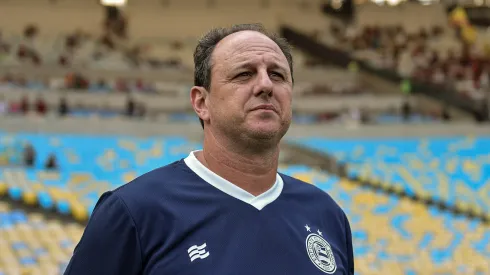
[(285, 100), (227, 105)]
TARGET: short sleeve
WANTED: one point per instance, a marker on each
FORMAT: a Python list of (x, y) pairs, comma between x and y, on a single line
[(110, 243), (350, 251)]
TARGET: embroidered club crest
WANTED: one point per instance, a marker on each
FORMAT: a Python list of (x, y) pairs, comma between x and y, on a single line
[(320, 253)]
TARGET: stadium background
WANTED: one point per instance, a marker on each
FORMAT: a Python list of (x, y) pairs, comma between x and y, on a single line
[(390, 118)]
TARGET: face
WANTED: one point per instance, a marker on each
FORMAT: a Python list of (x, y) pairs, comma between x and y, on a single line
[(251, 88)]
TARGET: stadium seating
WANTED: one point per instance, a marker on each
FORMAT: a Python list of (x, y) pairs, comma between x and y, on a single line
[(393, 235), (32, 244), (455, 170), (88, 166)]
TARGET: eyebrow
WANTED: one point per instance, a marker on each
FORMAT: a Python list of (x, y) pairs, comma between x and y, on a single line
[(251, 64)]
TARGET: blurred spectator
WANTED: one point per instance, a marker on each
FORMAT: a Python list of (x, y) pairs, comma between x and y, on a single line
[(3, 106), (76, 81), (122, 85), (20, 82), (364, 116), (51, 162), (24, 105), (100, 86), (116, 22), (446, 116), (27, 51), (41, 107), (134, 56), (63, 107), (130, 107), (417, 54), (438, 76), (29, 155), (406, 110), (4, 46)]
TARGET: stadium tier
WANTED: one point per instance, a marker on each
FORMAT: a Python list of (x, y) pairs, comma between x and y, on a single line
[(31, 244), (88, 166), (398, 236), (454, 170), (391, 235)]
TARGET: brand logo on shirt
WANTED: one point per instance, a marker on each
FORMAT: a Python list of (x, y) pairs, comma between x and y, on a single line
[(320, 252), (198, 252)]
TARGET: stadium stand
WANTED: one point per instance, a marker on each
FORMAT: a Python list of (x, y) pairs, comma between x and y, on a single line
[(442, 55), (428, 49), (411, 200), (455, 170), (33, 244), (87, 167), (391, 235), (396, 235)]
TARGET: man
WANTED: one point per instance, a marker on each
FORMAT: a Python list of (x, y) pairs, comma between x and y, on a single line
[(225, 209)]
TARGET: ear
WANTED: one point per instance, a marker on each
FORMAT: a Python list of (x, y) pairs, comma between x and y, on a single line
[(198, 100)]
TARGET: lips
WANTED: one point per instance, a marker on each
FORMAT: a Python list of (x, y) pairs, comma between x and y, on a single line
[(269, 107)]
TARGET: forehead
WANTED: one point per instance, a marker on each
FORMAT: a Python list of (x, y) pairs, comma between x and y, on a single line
[(247, 46)]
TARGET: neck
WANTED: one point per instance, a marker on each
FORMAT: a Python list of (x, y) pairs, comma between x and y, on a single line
[(252, 170)]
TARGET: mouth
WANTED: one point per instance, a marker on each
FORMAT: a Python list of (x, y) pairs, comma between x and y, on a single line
[(265, 107)]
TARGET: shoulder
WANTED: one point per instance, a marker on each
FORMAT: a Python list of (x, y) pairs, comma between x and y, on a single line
[(314, 196), (152, 187), (157, 181)]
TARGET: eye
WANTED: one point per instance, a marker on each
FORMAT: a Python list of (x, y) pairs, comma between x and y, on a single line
[(276, 75), (243, 74)]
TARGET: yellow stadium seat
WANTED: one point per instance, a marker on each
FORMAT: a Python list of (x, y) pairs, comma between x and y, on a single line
[(464, 207), (79, 212), (29, 198), (124, 164), (3, 188), (376, 183), (156, 152), (13, 270), (398, 189), (56, 194), (129, 176), (48, 175), (36, 187), (80, 178), (127, 145), (49, 268), (304, 177), (140, 158), (27, 270)]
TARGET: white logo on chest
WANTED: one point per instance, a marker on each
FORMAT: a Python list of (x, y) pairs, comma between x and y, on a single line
[(198, 252), (320, 252)]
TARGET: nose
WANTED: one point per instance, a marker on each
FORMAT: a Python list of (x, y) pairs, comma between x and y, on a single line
[(264, 85)]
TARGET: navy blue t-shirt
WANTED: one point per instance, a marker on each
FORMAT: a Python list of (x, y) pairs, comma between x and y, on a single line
[(183, 219)]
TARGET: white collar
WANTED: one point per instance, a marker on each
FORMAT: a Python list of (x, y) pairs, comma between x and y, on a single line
[(231, 189)]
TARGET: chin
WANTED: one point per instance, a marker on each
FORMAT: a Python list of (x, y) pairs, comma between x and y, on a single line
[(266, 131)]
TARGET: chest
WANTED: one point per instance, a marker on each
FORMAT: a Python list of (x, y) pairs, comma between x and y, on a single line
[(249, 242)]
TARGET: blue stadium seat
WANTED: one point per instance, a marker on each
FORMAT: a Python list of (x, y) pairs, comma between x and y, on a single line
[(89, 166), (32, 244), (455, 170), (394, 235), (391, 235)]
